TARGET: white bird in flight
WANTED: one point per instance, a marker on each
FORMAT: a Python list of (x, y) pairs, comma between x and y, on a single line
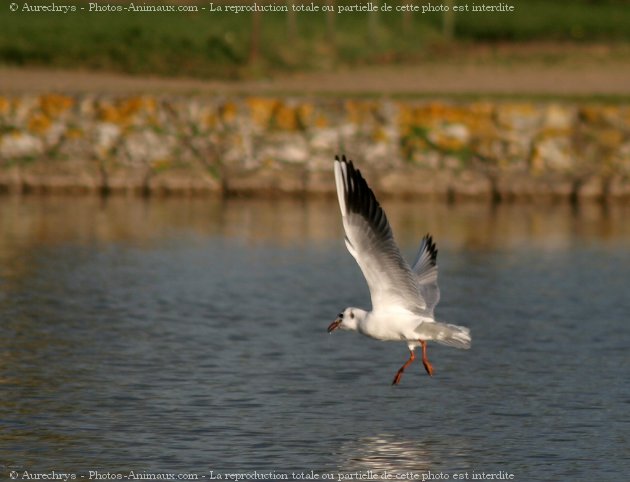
[(403, 297)]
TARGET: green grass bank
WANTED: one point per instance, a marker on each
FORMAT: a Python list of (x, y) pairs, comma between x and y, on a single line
[(216, 44)]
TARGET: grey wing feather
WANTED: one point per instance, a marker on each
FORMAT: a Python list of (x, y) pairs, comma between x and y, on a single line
[(369, 239), (426, 271)]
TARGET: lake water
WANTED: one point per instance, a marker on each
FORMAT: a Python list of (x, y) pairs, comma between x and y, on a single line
[(189, 337)]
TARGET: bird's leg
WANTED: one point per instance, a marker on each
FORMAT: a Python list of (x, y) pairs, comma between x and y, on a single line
[(425, 361), (412, 357)]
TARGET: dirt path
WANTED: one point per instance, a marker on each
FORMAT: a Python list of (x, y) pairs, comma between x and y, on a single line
[(610, 78)]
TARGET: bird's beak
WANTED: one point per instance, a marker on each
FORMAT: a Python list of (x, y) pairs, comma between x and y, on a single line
[(334, 325)]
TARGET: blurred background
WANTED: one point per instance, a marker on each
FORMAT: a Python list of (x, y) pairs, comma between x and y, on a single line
[(171, 251), (224, 45)]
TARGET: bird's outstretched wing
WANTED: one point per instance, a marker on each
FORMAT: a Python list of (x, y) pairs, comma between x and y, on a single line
[(369, 239), (426, 271)]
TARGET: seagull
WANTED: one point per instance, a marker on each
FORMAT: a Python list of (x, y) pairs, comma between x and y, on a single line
[(403, 297)]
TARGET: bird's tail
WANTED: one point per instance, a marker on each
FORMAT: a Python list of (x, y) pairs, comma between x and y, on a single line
[(447, 334)]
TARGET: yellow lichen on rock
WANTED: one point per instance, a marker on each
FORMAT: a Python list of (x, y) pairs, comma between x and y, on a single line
[(39, 123), (609, 138), (285, 117), (5, 105), (517, 116), (123, 112), (107, 112), (261, 110), (74, 133), (305, 113), (359, 112), (53, 105), (229, 112)]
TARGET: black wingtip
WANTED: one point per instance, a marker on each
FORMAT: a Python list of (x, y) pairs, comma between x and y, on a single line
[(431, 248), (361, 199), (345, 160)]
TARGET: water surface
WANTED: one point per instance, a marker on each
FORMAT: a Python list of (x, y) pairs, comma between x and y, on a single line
[(184, 336)]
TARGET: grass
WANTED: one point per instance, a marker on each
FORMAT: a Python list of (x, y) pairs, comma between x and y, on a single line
[(564, 20), (218, 45)]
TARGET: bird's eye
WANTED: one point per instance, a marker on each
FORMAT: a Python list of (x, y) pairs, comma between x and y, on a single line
[(351, 314), (340, 315)]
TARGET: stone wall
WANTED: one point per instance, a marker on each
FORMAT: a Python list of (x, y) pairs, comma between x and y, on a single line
[(495, 150)]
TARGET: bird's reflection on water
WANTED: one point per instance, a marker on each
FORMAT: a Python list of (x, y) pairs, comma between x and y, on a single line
[(384, 453)]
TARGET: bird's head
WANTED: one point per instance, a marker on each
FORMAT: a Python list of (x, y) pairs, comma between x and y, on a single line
[(348, 319)]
